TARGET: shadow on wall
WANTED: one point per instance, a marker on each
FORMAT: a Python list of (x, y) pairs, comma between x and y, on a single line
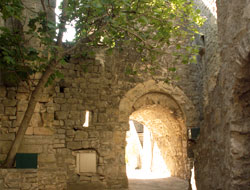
[(243, 88)]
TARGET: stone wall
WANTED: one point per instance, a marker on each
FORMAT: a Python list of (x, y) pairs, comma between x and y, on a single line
[(56, 131), (32, 179), (203, 94), (223, 147)]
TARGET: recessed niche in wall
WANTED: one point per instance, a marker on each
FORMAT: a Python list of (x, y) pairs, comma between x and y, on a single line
[(86, 161), (62, 89)]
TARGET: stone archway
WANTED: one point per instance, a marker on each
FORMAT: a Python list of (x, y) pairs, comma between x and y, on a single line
[(126, 106), (152, 103)]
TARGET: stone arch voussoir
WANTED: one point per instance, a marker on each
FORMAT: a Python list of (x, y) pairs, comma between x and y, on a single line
[(151, 86)]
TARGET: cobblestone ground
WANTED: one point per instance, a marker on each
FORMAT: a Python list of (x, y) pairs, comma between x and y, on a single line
[(171, 183)]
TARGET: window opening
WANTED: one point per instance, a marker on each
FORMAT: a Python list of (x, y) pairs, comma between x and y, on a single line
[(87, 116), (62, 89)]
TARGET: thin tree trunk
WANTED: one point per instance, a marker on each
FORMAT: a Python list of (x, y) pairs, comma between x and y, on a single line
[(9, 162)]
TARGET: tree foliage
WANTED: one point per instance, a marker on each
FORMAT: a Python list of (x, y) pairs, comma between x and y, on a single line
[(143, 25)]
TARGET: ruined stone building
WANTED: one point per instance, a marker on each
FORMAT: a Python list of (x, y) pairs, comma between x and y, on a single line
[(212, 95)]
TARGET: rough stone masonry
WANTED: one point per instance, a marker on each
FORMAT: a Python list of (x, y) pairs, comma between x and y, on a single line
[(212, 94)]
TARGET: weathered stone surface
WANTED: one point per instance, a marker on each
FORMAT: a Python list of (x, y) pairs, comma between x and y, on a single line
[(74, 145), (30, 149), (5, 146), (61, 114), (212, 94), (1, 109), (10, 111), (81, 135), (42, 131), (7, 137), (36, 120)]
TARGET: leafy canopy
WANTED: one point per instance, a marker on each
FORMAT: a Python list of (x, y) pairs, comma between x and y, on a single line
[(147, 26)]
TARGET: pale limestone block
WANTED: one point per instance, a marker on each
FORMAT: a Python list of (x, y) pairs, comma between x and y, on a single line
[(37, 108), (29, 131), (48, 117), (46, 158), (31, 148), (36, 120), (22, 105)]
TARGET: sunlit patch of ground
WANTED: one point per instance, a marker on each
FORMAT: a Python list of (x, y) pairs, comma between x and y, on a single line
[(142, 174)]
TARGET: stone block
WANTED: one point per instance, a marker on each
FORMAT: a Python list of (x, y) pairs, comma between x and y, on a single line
[(43, 131), (65, 107), (61, 131), (60, 100), (8, 102), (6, 123), (60, 136), (45, 98), (119, 137), (37, 108), (61, 115), (69, 122), (2, 91), (81, 135), (19, 119), (46, 158), (50, 109), (1, 108), (74, 115), (11, 94), (36, 120), (5, 146), (7, 137), (70, 132), (30, 149), (10, 111), (48, 117), (12, 117), (29, 131), (74, 145), (22, 105), (59, 145), (85, 144), (93, 134), (22, 96), (2, 158)]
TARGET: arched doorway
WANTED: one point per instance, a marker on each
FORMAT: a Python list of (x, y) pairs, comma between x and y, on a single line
[(167, 113)]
